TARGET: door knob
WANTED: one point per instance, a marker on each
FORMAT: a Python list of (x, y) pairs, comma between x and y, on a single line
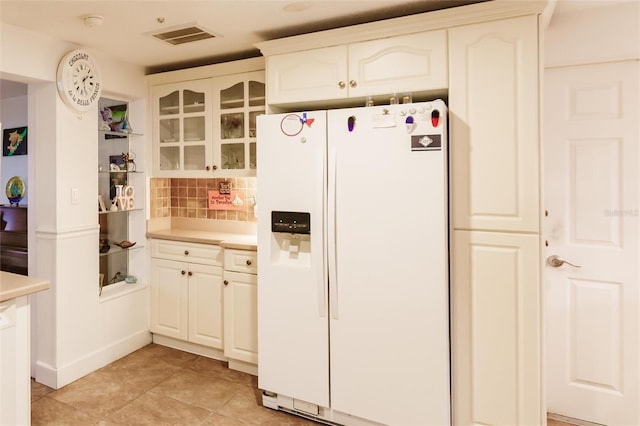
[(557, 261)]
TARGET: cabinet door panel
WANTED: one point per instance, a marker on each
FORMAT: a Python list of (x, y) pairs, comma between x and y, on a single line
[(205, 305), (495, 296), (307, 76), (409, 63), (493, 105), (241, 317), (169, 298)]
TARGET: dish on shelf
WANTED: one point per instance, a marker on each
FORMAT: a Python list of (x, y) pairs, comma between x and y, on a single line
[(15, 190), (125, 244)]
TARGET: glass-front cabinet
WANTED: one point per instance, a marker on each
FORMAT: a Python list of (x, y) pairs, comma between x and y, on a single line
[(207, 127), (182, 128), (238, 100)]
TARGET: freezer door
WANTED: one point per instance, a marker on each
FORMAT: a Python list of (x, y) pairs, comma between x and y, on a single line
[(293, 340), (388, 271)]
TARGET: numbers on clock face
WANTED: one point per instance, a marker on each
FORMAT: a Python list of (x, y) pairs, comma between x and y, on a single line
[(83, 79)]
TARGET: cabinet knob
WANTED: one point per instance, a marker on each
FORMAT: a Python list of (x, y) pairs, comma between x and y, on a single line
[(186, 252), (353, 83), (183, 272), (214, 167), (190, 273), (341, 85), (248, 262), (225, 282), (207, 168)]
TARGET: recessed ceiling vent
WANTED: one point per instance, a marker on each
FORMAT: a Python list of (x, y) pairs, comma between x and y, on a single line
[(183, 34)]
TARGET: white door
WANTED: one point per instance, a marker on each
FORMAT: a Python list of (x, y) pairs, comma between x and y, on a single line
[(591, 195)]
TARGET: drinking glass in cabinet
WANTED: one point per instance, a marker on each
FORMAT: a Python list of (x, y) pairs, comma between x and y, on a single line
[(194, 157), (232, 126), (169, 158), (169, 103), (252, 155), (169, 130), (193, 129), (233, 97), (193, 101), (232, 155), (256, 93)]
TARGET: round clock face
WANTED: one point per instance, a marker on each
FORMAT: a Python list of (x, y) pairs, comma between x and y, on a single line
[(79, 82)]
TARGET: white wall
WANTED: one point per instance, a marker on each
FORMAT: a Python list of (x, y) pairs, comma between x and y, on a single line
[(13, 113), (75, 331), (583, 36)]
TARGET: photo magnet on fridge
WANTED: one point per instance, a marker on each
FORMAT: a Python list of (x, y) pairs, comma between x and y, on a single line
[(426, 143)]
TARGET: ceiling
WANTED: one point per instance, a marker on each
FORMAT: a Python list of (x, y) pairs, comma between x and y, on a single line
[(126, 27), (125, 31)]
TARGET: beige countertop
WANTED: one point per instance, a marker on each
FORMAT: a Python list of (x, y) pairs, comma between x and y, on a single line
[(236, 236), (14, 285)]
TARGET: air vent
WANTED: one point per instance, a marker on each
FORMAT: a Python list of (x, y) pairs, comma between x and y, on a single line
[(183, 34)]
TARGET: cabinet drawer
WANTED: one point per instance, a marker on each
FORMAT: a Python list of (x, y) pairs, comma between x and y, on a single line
[(241, 261), (187, 252)]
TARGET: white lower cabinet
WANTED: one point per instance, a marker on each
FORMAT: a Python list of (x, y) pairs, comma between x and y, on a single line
[(186, 294), (241, 306)]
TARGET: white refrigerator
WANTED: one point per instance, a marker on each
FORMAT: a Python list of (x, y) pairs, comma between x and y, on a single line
[(353, 293)]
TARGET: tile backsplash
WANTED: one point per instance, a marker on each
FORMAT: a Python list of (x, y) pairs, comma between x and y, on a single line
[(182, 197)]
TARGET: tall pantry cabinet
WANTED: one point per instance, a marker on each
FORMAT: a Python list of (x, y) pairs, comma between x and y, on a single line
[(492, 89), (495, 263)]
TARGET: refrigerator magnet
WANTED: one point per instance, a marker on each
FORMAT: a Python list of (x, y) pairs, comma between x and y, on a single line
[(410, 123), (291, 124), (351, 123)]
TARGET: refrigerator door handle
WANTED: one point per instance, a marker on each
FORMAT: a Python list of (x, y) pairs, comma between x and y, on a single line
[(331, 232)]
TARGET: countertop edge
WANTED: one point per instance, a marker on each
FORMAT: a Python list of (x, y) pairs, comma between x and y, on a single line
[(224, 240), (13, 286)]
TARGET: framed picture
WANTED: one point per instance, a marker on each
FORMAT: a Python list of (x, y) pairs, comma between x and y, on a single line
[(14, 141)]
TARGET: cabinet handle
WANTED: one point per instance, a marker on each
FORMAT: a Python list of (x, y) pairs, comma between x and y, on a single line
[(183, 272), (190, 273), (341, 85), (353, 83), (225, 282), (186, 252), (248, 262)]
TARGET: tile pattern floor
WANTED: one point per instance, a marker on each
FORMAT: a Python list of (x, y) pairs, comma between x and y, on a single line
[(157, 385)]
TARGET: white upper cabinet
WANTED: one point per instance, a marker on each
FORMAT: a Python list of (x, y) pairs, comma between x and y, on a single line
[(182, 128), (407, 63), (493, 107)]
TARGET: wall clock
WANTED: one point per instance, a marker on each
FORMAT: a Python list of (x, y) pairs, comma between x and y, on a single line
[(79, 81)]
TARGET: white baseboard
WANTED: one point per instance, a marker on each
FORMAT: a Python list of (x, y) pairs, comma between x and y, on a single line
[(57, 378), (193, 348)]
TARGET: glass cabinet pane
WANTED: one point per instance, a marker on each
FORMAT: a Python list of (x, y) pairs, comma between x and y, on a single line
[(252, 122), (252, 155), (233, 97), (232, 155), (194, 158), (193, 129), (169, 158), (169, 104), (169, 130), (256, 93), (193, 101), (232, 126)]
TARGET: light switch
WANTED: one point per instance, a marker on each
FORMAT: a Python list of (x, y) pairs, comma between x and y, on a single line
[(74, 196)]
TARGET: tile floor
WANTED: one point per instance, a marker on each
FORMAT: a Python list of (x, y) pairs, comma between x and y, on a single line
[(157, 385)]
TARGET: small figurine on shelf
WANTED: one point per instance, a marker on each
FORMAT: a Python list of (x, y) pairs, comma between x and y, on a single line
[(129, 162)]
